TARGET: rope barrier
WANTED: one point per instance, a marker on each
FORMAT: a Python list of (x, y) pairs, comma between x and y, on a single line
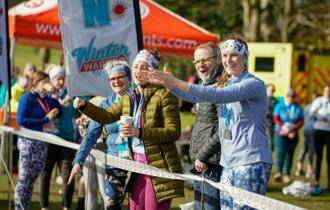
[(239, 195)]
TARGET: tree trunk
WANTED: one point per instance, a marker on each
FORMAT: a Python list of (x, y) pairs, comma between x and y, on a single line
[(45, 55), (251, 13), (286, 15)]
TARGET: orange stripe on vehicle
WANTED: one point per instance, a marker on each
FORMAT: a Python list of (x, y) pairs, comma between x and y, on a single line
[(317, 82), (299, 80), (321, 75)]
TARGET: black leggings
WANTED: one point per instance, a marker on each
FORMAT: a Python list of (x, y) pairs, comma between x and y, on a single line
[(67, 190), (321, 138)]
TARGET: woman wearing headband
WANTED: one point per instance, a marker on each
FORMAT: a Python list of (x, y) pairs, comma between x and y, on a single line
[(156, 126), (246, 157), (113, 186)]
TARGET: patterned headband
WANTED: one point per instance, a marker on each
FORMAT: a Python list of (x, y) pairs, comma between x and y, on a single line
[(145, 55), (232, 45)]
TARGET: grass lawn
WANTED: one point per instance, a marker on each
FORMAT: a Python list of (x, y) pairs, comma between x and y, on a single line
[(27, 54), (24, 54)]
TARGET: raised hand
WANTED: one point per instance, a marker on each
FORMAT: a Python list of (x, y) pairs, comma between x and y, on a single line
[(164, 78), (78, 102)]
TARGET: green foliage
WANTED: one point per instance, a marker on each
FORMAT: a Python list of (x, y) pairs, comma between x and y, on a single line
[(217, 16)]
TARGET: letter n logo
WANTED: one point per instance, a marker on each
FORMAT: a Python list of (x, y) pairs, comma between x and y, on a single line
[(96, 13)]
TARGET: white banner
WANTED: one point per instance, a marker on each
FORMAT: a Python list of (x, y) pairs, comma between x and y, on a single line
[(93, 32), (4, 64), (239, 195)]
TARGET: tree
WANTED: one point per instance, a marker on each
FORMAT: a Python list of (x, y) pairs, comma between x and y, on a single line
[(218, 16), (299, 21)]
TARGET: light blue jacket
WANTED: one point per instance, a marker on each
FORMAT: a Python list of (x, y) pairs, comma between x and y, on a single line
[(248, 101), (94, 132)]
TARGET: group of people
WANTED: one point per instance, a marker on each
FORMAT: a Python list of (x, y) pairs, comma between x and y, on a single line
[(284, 119), (231, 140), (231, 148), (43, 105)]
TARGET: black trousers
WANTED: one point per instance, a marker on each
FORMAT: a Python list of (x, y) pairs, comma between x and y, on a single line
[(321, 139), (65, 163)]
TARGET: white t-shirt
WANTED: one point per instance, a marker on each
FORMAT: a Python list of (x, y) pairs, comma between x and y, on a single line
[(321, 109)]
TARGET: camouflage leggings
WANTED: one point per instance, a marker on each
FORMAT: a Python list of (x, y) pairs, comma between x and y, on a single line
[(32, 159), (114, 188), (251, 177)]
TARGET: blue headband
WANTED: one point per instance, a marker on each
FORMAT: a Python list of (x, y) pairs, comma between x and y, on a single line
[(120, 68)]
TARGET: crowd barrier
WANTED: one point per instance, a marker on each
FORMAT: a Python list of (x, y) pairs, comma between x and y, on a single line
[(239, 195)]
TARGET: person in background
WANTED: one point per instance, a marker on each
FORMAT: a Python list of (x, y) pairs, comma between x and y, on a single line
[(205, 145), (308, 145), (187, 109), (22, 85), (321, 110), (64, 128), (82, 123), (271, 103), (36, 111), (119, 76), (29, 70), (242, 103), (15, 74), (93, 171), (3, 91), (186, 106), (288, 118), (155, 128)]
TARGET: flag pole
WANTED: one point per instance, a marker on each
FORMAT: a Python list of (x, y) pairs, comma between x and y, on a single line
[(138, 24), (7, 110)]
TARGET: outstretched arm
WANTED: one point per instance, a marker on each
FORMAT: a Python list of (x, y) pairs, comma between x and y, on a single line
[(102, 116)]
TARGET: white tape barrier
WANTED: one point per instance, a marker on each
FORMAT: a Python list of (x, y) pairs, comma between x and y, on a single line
[(240, 196)]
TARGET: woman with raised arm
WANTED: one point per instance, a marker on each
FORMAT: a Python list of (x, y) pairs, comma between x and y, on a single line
[(246, 157), (155, 128), (113, 185)]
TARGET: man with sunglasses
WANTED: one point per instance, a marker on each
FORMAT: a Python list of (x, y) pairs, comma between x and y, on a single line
[(205, 145)]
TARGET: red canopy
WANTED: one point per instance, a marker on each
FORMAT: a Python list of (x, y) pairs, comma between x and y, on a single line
[(37, 23)]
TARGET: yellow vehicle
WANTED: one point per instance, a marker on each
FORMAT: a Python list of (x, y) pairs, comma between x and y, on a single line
[(285, 66)]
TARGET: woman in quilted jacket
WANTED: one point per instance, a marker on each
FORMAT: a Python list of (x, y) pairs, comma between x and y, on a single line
[(155, 128)]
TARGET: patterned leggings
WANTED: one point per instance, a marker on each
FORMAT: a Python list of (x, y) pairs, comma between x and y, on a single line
[(252, 177), (32, 158), (114, 188)]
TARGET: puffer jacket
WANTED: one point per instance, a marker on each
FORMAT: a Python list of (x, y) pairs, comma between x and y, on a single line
[(160, 129), (205, 144)]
